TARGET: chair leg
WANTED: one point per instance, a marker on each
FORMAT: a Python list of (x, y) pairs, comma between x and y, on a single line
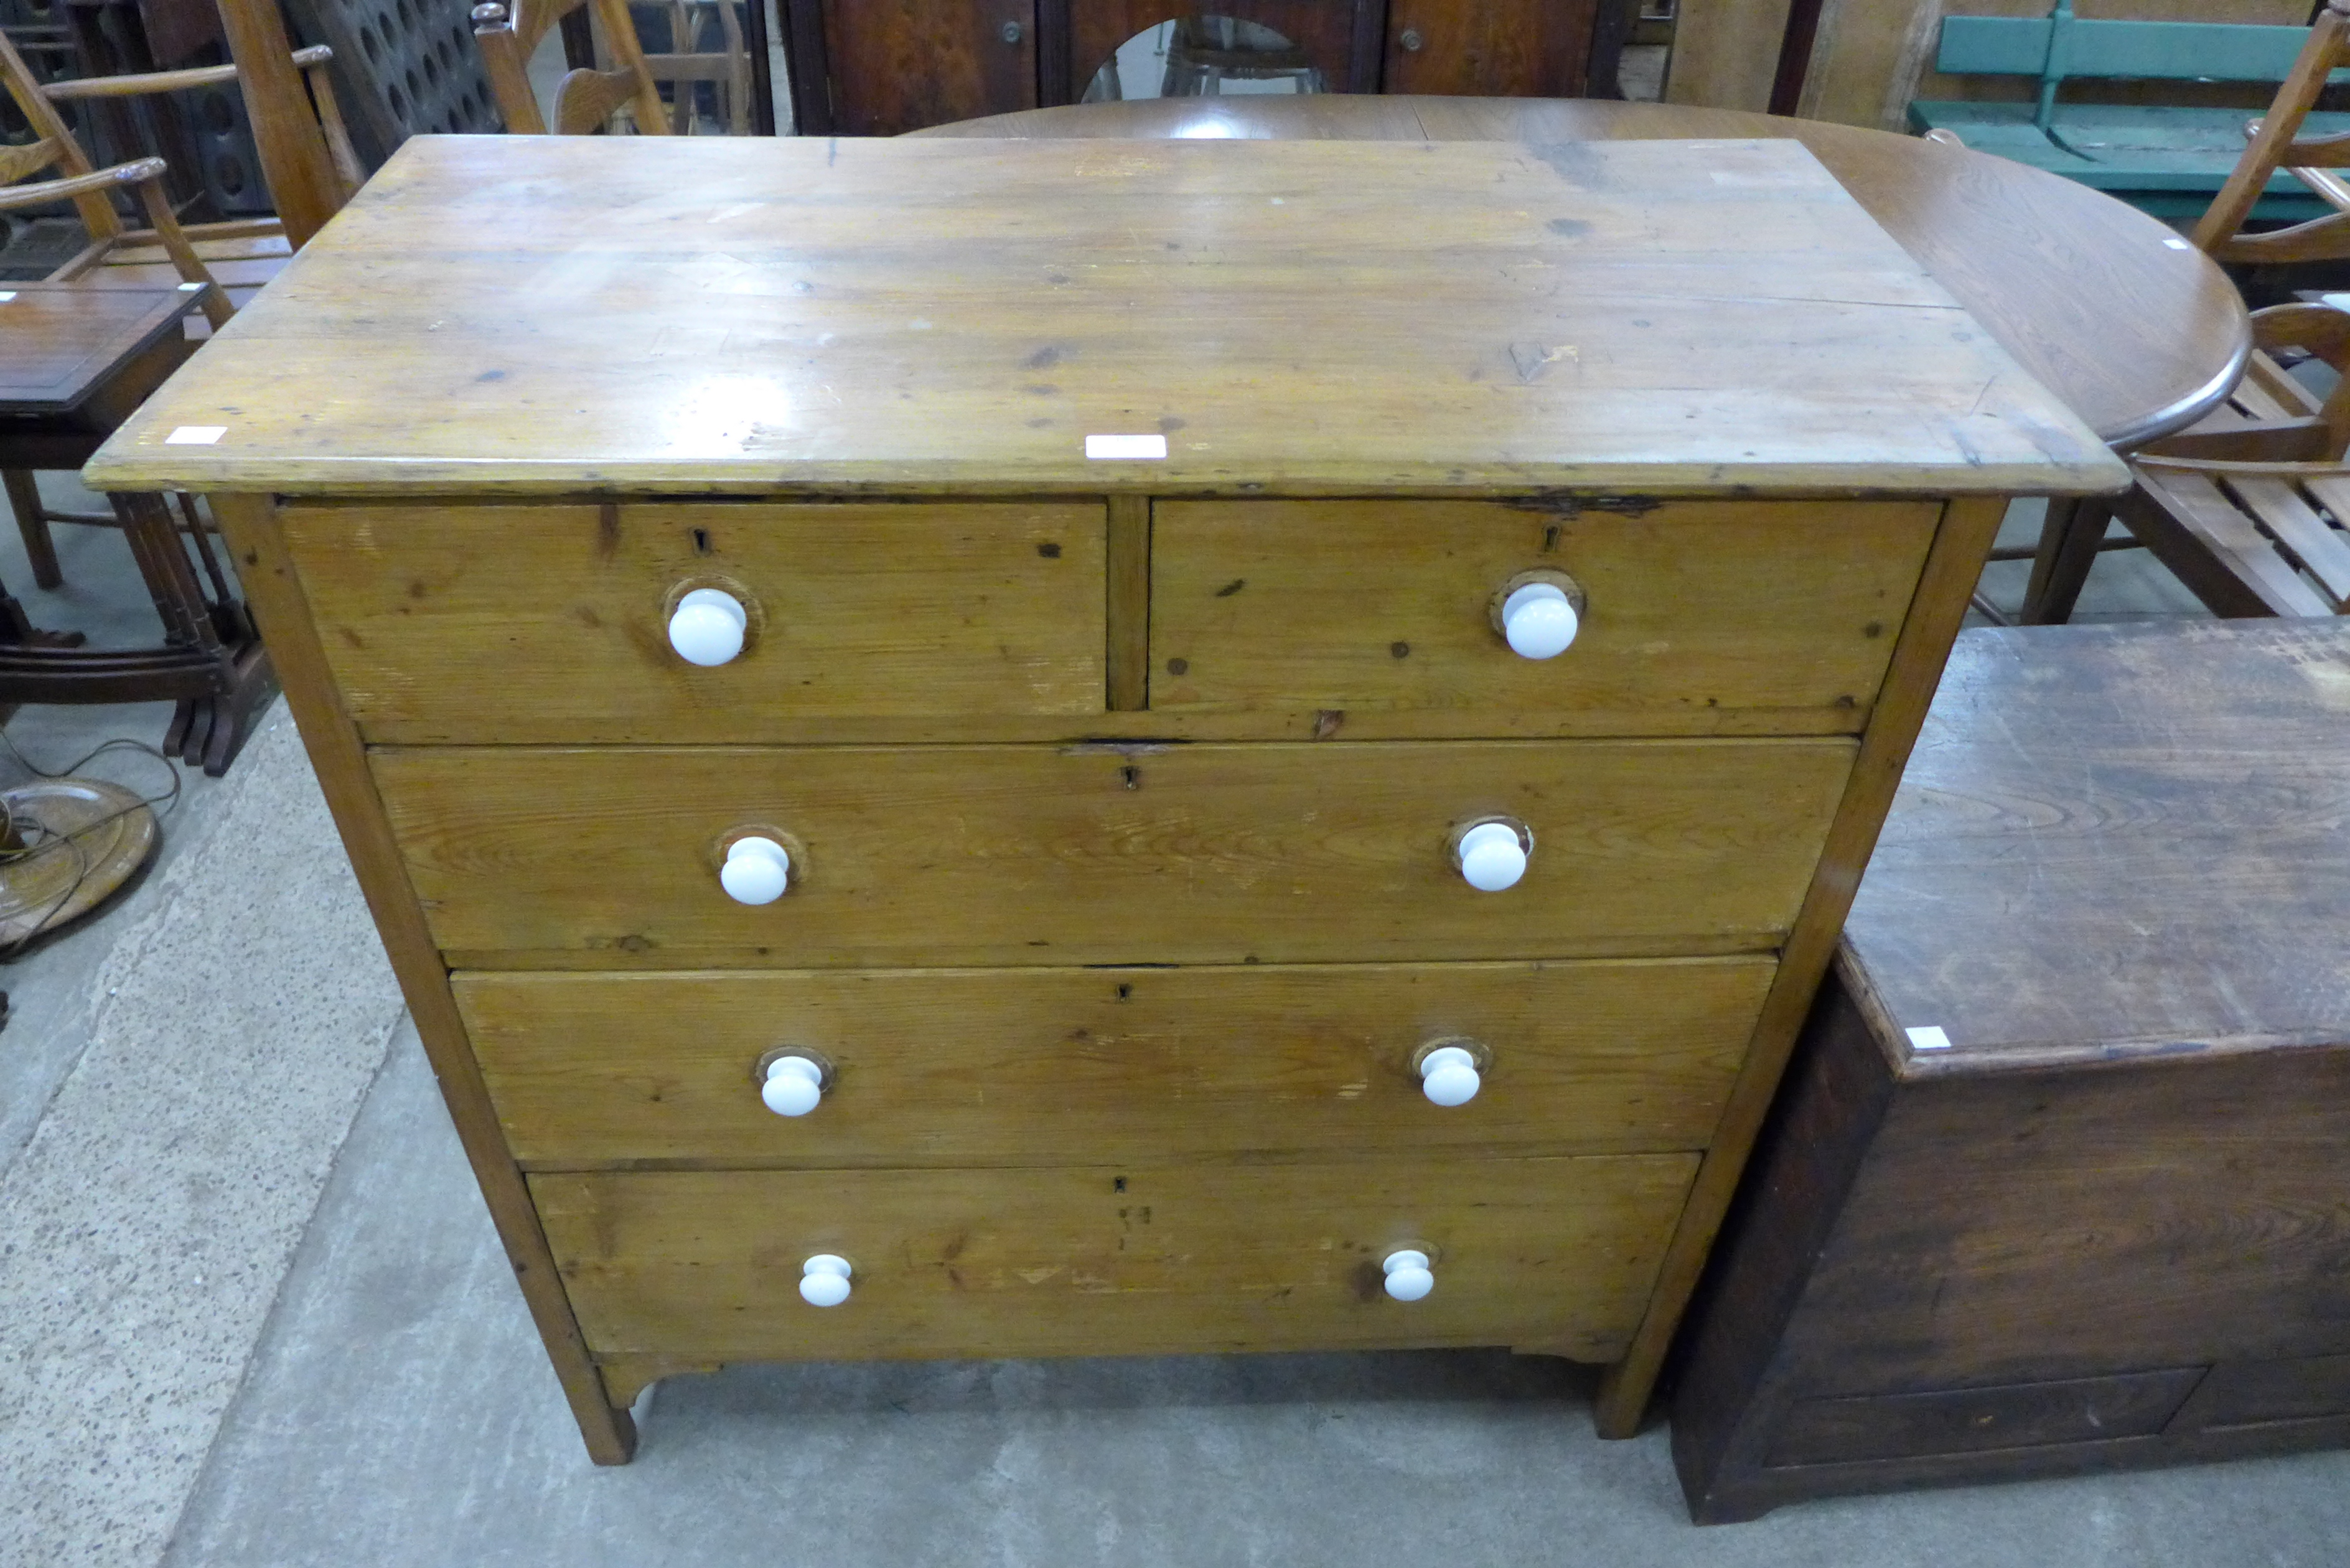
[(2060, 569), (25, 500)]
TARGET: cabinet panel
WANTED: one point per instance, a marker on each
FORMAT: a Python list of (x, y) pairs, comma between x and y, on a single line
[(1550, 1254), (1018, 1066), (514, 624), (1781, 614), (899, 65), (535, 857), (1520, 48)]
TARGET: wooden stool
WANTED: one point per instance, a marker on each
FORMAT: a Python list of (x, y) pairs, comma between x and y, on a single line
[(2056, 1180)]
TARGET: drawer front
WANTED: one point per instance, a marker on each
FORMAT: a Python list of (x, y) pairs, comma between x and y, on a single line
[(988, 854), (551, 623), (1546, 1254), (1698, 617), (1978, 1420), (1018, 1066)]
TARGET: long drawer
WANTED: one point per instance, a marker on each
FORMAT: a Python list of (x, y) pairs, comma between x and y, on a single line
[(1027, 1066), (1697, 617), (1556, 1255), (518, 623), (1206, 854)]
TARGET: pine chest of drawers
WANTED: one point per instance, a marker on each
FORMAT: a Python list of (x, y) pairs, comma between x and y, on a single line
[(1012, 749)]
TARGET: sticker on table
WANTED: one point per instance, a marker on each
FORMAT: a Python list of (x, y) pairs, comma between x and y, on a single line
[(1128, 448), (1928, 1038), (195, 435)]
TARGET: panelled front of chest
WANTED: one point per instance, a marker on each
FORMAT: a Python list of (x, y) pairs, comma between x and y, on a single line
[(1117, 1011)]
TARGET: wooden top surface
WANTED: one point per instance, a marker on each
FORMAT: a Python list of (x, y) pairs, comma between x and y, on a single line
[(2137, 330), (2116, 841), (59, 342), (532, 315)]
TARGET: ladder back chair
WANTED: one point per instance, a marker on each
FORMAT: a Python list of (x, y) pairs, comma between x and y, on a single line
[(2247, 507), (510, 31), (239, 255), (2276, 144)]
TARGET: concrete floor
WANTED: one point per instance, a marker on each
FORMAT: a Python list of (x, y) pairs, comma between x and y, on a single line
[(251, 1313)]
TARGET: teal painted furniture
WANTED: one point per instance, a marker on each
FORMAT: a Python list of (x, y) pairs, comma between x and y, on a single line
[(2170, 162)]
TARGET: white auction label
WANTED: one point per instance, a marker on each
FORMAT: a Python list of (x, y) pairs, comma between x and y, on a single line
[(1102, 448), (195, 435), (1928, 1039)]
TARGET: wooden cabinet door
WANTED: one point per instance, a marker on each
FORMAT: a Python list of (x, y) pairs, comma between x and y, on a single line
[(1490, 49), (877, 67)]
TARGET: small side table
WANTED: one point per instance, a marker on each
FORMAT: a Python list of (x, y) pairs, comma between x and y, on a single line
[(75, 361), (2107, 1224)]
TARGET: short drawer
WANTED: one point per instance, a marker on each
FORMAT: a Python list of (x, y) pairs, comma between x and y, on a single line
[(1554, 1255), (1978, 1420), (551, 623), (1207, 854), (1018, 1066), (1697, 618)]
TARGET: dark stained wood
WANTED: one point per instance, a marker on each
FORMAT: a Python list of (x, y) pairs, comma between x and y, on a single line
[(58, 342), (1484, 50), (2065, 278), (1967, 1421), (902, 64), (2160, 791), (2106, 1226)]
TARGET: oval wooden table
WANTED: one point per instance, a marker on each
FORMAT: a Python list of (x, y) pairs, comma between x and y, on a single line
[(2139, 333)]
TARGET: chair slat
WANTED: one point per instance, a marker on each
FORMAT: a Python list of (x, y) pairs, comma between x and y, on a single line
[(2289, 519), (2195, 505)]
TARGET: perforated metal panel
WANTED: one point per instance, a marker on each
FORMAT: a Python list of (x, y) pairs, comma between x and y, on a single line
[(402, 68)]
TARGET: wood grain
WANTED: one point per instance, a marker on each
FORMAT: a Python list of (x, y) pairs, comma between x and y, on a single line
[(274, 593), (1129, 603), (934, 316), (540, 858), (2062, 275), (873, 611), (1781, 608), (970, 1067), (908, 63), (1960, 547), (1487, 50), (1119, 1260), (2109, 799)]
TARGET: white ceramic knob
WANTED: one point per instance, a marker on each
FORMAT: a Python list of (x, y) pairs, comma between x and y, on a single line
[(758, 870), (794, 1084), (824, 1279), (1492, 858), (707, 627), (1448, 1076), (1539, 621), (1408, 1275)]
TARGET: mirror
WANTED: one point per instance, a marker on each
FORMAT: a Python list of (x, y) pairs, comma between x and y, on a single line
[(1203, 57)]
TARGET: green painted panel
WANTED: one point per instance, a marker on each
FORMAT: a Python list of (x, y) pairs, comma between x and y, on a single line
[(2162, 51)]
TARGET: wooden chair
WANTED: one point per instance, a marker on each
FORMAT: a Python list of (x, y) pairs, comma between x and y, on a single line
[(2276, 144), (121, 255), (2242, 507), (2249, 507), (509, 33)]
